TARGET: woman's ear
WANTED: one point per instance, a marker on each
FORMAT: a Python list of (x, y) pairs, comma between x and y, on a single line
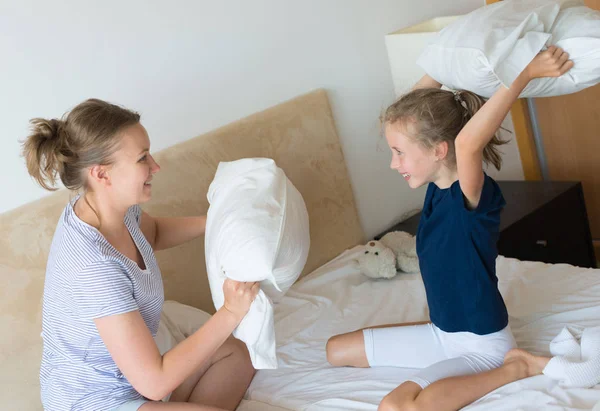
[(99, 175)]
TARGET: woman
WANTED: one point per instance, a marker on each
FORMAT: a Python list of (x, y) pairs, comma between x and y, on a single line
[(103, 289)]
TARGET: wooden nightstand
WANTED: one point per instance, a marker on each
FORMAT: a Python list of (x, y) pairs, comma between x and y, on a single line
[(542, 221)]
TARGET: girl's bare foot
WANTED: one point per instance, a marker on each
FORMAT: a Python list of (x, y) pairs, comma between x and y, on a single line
[(534, 365)]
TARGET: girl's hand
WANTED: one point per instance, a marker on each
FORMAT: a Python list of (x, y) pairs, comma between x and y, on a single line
[(553, 62), (239, 296)]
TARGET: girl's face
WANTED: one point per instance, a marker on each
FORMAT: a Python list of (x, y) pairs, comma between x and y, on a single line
[(132, 171), (417, 164)]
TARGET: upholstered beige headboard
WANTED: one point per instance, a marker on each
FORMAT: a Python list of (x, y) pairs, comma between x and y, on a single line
[(299, 135)]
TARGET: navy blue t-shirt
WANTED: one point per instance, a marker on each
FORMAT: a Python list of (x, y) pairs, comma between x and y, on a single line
[(457, 250)]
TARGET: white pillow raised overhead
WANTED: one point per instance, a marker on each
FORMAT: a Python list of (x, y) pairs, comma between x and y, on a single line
[(256, 230), (492, 45)]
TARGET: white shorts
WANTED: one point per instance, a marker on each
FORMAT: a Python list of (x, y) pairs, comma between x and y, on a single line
[(437, 353)]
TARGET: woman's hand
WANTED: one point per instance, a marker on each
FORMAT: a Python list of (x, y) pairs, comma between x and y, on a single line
[(239, 296), (553, 62)]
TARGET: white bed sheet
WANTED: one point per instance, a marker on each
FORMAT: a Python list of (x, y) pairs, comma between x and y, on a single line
[(337, 298)]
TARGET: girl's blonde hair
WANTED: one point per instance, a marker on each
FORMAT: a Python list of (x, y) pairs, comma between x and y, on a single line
[(439, 115), (64, 148)]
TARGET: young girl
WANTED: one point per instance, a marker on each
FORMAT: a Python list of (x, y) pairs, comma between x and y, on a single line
[(467, 350), (103, 290)]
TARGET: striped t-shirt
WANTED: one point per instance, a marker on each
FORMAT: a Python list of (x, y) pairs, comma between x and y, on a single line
[(87, 278)]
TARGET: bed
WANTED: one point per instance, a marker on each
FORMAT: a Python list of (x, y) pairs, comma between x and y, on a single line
[(336, 298), (331, 297)]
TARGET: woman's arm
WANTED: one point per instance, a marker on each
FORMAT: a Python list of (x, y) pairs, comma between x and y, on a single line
[(480, 129), (133, 349), (167, 232)]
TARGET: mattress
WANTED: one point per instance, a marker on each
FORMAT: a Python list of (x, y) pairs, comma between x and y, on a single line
[(337, 298)]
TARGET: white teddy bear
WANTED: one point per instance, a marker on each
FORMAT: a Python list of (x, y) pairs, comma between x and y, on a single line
[(396, 250)]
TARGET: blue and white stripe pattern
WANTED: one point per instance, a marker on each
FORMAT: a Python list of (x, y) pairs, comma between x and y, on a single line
[(87, 278)]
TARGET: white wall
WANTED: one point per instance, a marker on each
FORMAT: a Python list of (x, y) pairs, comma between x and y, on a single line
[(191, 66)]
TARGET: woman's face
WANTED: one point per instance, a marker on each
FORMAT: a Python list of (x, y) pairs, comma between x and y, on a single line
[(133, 168)]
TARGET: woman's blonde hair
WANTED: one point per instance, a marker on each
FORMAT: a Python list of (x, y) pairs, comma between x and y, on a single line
[(64, 148), (439, 115)]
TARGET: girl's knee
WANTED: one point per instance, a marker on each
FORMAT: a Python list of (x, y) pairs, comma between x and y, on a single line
[(392, 404), (403, 398), (334, 351), (347, 350), (387, 404)]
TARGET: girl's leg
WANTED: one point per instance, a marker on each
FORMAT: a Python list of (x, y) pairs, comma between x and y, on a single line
[(221, 383), (453, 393), (348, 350)]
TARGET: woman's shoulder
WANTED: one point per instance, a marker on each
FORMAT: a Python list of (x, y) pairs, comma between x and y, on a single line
[(76, 244)]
